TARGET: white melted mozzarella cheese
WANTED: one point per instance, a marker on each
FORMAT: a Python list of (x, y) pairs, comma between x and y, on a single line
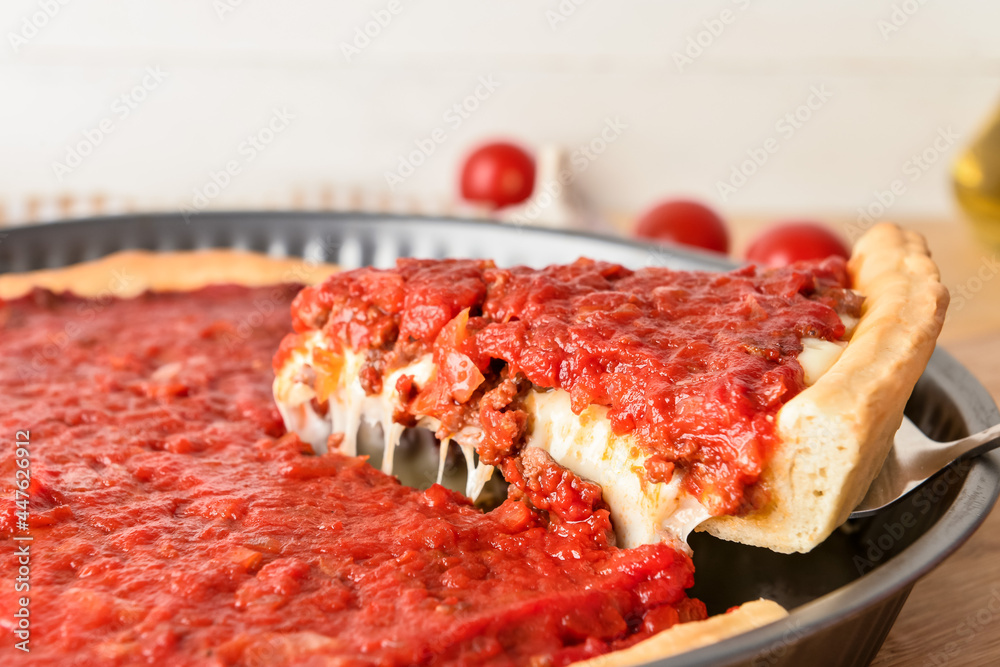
[(348, 405), (818, 356), (642, 512)]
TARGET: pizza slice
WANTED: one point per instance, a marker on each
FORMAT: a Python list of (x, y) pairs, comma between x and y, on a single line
[(757, 405)]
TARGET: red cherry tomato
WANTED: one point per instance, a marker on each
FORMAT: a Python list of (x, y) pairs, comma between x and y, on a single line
[(793, 242), (684, 222), (498, 174)]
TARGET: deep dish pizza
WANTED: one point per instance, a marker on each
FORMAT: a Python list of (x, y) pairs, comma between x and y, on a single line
[(745, 402), (175, 520)]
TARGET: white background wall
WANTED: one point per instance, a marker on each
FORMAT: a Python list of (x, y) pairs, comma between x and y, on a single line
[(895, 80)]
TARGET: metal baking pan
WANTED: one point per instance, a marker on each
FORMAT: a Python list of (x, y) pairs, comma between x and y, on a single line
[(843, 596)]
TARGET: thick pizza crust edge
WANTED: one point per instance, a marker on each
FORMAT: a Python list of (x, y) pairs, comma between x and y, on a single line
[(128, 273), (689, 636), (836, 433), (131, 272)]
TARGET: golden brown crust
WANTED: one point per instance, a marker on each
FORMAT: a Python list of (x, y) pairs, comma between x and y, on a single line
[(836, 434), (128, 273), (131, 272), (689, 636)]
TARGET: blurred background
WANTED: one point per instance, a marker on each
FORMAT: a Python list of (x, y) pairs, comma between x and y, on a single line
[(140, 103), (838, 114)]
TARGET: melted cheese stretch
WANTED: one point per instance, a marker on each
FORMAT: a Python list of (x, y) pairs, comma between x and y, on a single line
[(349, 405), (642, 512)]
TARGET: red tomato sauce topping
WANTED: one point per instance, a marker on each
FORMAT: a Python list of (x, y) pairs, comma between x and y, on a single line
[(695, 364), (174, 522)]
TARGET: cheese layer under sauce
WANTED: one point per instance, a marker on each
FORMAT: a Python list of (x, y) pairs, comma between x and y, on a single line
[(643, 512)]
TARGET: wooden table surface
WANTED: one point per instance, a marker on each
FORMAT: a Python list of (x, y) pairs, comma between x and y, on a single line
[(952, 617), (953, 614)]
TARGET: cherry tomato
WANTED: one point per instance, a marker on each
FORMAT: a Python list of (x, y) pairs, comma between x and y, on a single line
[(685, 222), (498, 174), (793, 242)]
